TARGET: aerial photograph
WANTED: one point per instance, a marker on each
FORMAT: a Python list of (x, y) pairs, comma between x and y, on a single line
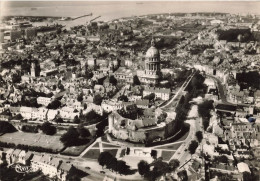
[(129, 90)]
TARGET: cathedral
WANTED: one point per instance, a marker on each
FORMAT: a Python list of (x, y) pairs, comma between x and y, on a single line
[(152, 72)]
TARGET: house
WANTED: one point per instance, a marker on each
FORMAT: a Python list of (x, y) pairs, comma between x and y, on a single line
[(124, 75), (47, 164), (52, 166), (39, 113), (2, 157), (161, 93), (213, 140), (257, 98), (15, 155), (243, 167), (25, 157), (8, 156), (68, 113), (65, 170), (26, 112), (142, 103), (44, 100)]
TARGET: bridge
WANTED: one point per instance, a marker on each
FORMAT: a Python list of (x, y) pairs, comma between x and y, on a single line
[(81, 16), (95, 18)]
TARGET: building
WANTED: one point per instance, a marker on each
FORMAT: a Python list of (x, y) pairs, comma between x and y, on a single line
[(144, 129), (15, 34), (30, 33), (152, 72), (143, 103), (123, 74), (1, 36), (161, 93), (243, 167), (47, 164), (52, 166), (8, 156), (44, 100), (25, 157), (33, 74)]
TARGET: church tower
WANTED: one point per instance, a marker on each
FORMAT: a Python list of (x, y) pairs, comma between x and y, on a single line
[(33, 70), (152, 64)]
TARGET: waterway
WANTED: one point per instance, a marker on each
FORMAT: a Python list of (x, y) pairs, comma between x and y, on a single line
[(113, 10)]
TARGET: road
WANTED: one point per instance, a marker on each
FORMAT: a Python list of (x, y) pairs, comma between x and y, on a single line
[(221, 89), (195, 125), (181, 89)]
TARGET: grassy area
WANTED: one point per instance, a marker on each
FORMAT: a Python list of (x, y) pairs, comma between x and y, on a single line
[(74, 150), (166, 155), (96, 145), (32, 139), (77, 150), (92, 154)]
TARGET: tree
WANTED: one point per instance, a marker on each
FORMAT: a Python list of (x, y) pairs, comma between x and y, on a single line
[(143, 167), (80, 97), (193, 146), (83, 132), (70, 138), (205, 107), (112, 163), (150, 96), (97, 99), (54, 104), (122, 167), (154, 154), (162, 117), (247, 176), (103, 158), (58, 120), (123, 98), (183, 175), (76, 120), (89, 74), (174, 164), (48, 129), (85, 106), (6, 127), (136, 80), (199, 136), (222, 159), (112, 80), (160, 168)]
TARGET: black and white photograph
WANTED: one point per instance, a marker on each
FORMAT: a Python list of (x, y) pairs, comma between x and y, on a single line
[(129, 90)]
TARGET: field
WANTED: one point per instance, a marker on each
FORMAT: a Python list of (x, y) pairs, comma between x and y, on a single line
[(33, 139), (166, 155), (92, 154), (74, 150)]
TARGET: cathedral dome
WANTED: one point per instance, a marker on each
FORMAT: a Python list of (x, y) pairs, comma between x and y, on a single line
[(152, 52)]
